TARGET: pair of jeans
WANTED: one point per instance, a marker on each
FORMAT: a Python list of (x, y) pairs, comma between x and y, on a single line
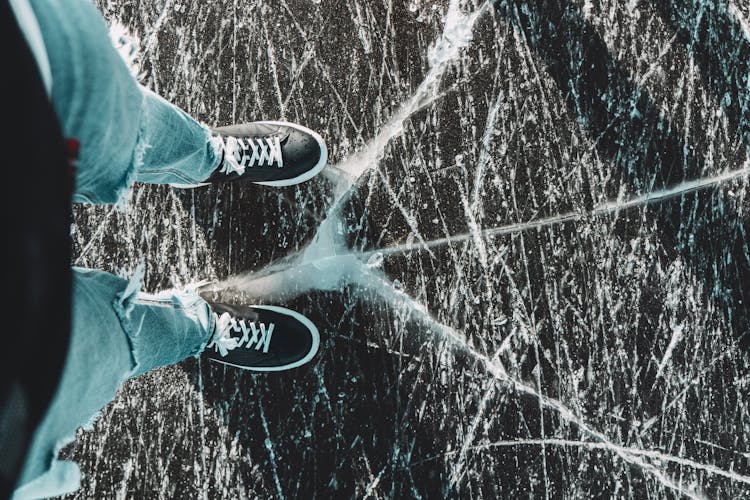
[(126, 134)]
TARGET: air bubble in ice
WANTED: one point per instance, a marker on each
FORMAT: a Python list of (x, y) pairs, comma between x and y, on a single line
[(375, 260)]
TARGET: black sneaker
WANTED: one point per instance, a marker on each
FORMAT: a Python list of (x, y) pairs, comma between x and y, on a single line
[(261, 338), (268, 153)]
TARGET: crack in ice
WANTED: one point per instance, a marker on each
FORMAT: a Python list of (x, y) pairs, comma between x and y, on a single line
[(654, 454), (605, 208), (498, 371), (327, 264)]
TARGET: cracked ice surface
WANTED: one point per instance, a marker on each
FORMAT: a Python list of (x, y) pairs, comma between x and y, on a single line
[(527, 260)]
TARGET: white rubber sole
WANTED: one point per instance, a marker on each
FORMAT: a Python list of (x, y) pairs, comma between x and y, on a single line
[(309, 174), (313, 348)]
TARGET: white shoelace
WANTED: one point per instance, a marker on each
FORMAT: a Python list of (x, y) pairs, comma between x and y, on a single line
[(243, 152), (254, 335)]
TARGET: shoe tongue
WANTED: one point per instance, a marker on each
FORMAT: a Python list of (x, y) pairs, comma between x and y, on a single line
[(247, 315), (255, 129), (269, 129)]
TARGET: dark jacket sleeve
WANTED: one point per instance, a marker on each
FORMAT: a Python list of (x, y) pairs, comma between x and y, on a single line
[(36, 193)]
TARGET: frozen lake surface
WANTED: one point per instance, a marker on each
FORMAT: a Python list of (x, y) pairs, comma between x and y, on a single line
[(527, 259)]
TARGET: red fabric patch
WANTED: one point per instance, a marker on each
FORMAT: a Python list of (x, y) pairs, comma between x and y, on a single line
[(73, 146)]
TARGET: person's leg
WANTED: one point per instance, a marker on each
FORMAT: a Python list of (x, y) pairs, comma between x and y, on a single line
[(122, 128), (176, 148), (128, 133), (117, 333)]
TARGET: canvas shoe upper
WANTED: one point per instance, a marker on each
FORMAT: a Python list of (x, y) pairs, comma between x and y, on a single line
[(261, 338), (269, 153)]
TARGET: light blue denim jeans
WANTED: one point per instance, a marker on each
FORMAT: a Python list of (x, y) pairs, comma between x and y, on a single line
[(126, 133)]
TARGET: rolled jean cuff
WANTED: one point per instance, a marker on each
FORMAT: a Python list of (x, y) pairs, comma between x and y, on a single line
[(162, 328)]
